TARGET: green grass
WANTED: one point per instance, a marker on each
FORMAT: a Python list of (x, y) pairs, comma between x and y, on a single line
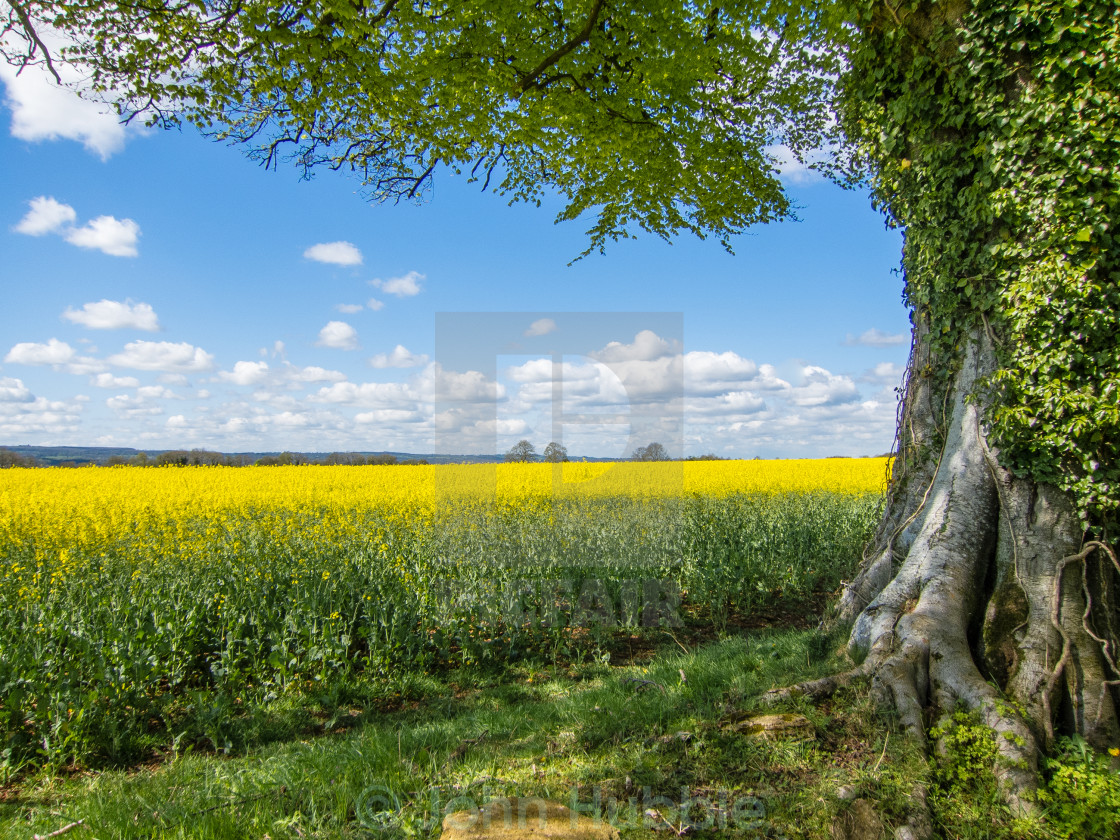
[(613, 740), (627, 734)]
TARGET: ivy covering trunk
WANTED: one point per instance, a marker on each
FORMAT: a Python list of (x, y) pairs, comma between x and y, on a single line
[(992, 584)]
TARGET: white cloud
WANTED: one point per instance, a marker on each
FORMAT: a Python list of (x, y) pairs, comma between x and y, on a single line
[(471, 387), (375, 304), (338, 334), (246, 373), (705, 366), (540, 371), (729, 405), (884, 373), (792, 170), (402, 422), (708, 373), (291, 420), (54, 352), (156, 391), (41, 110), (349, 308), (598, 385), (382, 416), (819, 387), (132, 406), (31, 418), (107, 380), (46, 216), (399, 358), (647, 346), (373, 394), (114, 315), (405, 286), (85, 365), (334, 253), (115, 237), (163, 356), (277, 386), (651, 369), (544, 326), (13, 390), (504, 427), (875, 337), (311, 374)]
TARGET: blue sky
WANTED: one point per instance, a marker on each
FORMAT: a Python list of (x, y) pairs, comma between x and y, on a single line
[(162, 291)]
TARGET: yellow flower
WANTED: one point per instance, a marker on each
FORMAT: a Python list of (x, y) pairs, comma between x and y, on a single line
[(1114, 751)]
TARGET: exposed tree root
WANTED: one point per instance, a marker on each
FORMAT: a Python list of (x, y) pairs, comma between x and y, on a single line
[(996, 606), (912, 480)]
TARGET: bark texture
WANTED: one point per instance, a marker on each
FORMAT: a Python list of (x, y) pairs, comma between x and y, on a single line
[(979, 591)]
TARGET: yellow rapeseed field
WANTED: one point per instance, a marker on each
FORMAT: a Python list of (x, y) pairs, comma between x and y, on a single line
[(84, 507)]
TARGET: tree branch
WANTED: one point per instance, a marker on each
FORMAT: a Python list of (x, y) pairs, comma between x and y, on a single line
[(33, 36), (563, 50), (384, 12), (419, 182)]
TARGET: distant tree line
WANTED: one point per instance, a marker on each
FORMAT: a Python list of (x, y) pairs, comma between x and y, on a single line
[(357, 459), (17, 459), (199, 457), (524, 452), (180, 458), (207, 458)]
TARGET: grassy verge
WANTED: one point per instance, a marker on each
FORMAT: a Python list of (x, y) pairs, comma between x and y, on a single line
[(651, 746), (622, 741)]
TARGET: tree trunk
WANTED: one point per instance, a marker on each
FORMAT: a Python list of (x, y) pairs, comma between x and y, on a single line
[(980, 592)]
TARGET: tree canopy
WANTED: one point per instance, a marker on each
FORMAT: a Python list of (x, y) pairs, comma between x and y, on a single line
[(652, 452), (555, 453), (661, 115), (521, 452)]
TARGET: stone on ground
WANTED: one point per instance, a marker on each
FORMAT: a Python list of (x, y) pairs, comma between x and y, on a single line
[(858, 822), (780, 727), (513, 818)]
